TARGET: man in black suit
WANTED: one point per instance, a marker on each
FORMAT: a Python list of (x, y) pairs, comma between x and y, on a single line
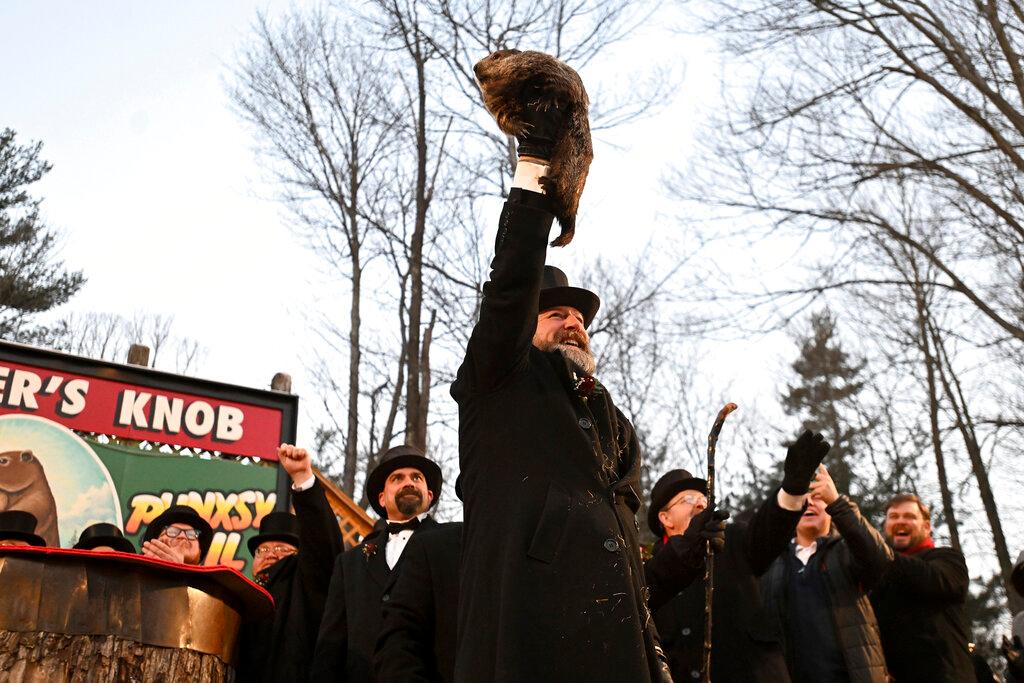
[(551, 584), (292, 558), (417, 640), (402, 488)]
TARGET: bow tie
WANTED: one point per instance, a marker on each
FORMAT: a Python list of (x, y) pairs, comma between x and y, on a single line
[(398, 527)]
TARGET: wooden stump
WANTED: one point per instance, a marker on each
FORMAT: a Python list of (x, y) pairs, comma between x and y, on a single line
[(40, 657)]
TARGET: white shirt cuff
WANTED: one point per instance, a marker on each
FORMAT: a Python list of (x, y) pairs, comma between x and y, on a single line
[(787, 501), (306, 485)]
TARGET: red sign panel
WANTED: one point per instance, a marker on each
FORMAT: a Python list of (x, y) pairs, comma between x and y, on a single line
[(94, 404)]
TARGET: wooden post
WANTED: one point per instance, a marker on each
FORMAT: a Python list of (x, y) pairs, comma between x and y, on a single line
[(282, 382), (138, 354)]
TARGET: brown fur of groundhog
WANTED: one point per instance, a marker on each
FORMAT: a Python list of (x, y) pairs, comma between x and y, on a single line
[(508, 78), (23, 486)]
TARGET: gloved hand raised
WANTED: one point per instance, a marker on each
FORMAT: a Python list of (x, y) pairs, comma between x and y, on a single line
[(802, 459), (542, 122), (708, 527)]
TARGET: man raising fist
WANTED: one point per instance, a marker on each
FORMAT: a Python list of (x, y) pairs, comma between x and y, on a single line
[(293, 556)]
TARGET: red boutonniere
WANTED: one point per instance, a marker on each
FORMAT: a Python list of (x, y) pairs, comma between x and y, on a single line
[(369, 550), (586, 386)]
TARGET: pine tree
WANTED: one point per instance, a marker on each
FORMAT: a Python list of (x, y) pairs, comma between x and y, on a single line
[(32, 280), (825, 398)]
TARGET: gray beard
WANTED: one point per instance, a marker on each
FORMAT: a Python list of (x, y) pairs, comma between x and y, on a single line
[(580, 360)]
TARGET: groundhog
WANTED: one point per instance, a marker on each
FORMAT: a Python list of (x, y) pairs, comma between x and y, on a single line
[(509, 79), (23, 486)]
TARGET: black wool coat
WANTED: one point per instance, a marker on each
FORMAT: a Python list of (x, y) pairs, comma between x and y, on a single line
[(552, 585), (418, 635), (360, 585), (746, 644), (280, 647), (919, 604)]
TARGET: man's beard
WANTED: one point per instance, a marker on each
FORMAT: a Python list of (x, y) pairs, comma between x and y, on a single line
[(578, 355), (580, 359), (409, 501)]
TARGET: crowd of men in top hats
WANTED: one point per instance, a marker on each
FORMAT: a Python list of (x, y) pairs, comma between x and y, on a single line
[(544, 579)]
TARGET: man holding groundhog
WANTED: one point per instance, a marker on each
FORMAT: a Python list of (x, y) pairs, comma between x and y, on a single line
[(552, 586)]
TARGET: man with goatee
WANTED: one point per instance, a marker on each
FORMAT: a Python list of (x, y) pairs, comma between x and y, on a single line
[(551, 584), (920, 600), (401, 488)]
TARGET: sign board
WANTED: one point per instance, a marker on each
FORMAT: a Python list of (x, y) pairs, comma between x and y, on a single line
[(57, 460)]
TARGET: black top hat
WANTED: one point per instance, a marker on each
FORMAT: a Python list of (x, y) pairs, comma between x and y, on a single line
[(182, 514), (396, 458), (671, 483), (102, 533), (555, 291), (19, 525), (276, 526)]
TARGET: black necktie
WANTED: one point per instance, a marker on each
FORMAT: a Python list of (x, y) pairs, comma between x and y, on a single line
[(397, 527)]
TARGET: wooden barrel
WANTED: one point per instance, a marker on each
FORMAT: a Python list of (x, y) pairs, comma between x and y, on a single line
[(68, 615)]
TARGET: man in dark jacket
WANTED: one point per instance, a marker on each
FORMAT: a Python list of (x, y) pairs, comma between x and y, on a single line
[(745, 644), (817, 591), (551, 579), (292, 558), (418, 636), (920, 600), (401, 488), (1013, 647)]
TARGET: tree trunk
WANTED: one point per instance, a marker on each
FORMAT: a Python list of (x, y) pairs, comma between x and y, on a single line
[(933, 417), (965, 424), (415, 407), (41, 657), (354, 346)]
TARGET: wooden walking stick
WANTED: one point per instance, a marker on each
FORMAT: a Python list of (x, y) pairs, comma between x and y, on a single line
[(709, 562)]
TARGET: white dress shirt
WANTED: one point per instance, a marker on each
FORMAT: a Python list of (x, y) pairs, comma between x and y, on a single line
[(396, 542)]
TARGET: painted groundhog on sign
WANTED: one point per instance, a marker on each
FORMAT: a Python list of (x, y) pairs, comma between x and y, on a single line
[(23, 486)]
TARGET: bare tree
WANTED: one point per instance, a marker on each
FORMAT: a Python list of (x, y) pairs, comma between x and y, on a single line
[(324, 117), (860, 114)]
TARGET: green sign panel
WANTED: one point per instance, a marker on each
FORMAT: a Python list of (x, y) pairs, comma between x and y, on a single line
[(232, 497)]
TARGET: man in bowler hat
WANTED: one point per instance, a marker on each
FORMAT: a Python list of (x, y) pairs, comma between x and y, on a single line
[(746, 643), (179, 535), (401, 488), (293, 555), (104, 537), (552, 584), (18, 528)]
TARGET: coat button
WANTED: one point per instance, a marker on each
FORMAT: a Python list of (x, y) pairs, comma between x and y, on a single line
[(385, 597), (611, 545), (686, 631), (585, 423)]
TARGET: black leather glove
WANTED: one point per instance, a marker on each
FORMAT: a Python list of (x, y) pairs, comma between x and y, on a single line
[(706, 528), (802, 459), (543, 123), (1014, 654)]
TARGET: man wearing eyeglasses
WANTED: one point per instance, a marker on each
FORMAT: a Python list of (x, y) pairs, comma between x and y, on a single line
[(293, 555), (178, 535), (745, 644)]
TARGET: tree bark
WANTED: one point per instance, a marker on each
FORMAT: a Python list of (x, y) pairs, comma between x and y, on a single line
[(41, 657)]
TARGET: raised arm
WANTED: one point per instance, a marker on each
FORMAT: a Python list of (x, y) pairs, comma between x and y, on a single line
[(319, 535), (774, 523), (501, 339), (871, 555)]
